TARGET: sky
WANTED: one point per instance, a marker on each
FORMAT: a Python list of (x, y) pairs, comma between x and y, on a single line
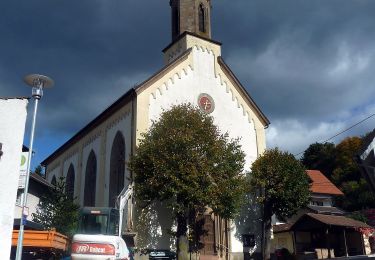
[(309, 65)]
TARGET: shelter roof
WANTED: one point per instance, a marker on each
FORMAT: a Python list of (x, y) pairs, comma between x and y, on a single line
[(40, 179), (321, 184), (331, 220)]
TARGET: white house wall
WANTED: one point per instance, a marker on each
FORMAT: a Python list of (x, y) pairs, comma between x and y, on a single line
[(368, 150), (32, 205), (12, 127)]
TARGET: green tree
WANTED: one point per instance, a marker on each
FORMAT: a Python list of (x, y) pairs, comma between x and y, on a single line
[(338, 164), (348, 178), (320, 157), (281, 184), (56, 210), (39, 170), (346, 168), (184, 161)]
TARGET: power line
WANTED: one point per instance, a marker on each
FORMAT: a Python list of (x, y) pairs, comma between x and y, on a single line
[(347, 129)]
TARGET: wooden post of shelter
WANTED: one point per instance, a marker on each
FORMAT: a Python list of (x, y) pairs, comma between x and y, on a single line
[(346, 246), (328, 244)]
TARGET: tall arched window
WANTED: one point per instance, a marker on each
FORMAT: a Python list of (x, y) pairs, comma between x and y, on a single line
[(117, 169), (70, 177), (53, 181), (90, 181), (202, 18)]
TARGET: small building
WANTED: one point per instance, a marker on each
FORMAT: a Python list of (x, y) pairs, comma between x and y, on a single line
[(366, 159), (38, 186), (37, 243), (321, 230)]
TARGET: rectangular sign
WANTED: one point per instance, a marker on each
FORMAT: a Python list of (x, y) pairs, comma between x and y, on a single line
[(23, 170)]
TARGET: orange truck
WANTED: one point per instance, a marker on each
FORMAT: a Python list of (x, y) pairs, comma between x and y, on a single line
[(45, 244)]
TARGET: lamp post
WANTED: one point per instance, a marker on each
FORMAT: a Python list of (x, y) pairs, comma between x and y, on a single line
[(37, 82)]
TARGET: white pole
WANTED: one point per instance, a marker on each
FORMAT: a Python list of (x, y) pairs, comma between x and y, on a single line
[(24, 195)]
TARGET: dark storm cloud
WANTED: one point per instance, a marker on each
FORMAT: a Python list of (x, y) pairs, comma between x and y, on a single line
[(94, 51), (308, 64), (318, 54)]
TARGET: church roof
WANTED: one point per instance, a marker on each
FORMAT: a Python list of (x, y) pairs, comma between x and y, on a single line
[(118, 104), (132, 93), (192, 34)]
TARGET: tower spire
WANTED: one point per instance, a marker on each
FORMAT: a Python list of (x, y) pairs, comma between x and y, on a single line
[(192, 16)]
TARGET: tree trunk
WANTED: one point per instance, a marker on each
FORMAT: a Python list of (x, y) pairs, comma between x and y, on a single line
[(182, 242), (267, 218)]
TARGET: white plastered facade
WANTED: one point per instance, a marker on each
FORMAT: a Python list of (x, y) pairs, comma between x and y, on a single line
[(12, 128)]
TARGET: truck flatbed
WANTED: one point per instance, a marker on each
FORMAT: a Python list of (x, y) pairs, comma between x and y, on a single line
[(49, 240)]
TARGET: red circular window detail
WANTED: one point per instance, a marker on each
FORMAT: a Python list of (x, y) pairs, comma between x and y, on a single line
[(206, 103)]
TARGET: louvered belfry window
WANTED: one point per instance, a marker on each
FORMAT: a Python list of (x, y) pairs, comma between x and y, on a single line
[(202, 18)]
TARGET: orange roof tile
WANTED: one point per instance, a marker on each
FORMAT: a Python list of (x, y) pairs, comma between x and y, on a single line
[(320, 184)]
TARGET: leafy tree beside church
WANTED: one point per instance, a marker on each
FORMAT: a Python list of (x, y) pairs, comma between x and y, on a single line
[(57, 210), (281, 185), (184, 161)]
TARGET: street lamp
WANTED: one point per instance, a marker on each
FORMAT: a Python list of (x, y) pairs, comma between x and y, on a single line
[(37, 82)]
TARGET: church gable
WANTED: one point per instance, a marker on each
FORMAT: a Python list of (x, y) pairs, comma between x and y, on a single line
[(197, 73)]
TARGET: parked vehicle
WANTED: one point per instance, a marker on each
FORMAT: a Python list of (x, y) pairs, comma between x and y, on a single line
[(99, 234)]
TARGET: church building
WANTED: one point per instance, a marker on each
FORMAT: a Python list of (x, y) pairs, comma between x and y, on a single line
[(94, 160)]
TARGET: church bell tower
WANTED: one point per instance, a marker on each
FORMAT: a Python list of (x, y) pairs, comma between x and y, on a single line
[(192, 16)]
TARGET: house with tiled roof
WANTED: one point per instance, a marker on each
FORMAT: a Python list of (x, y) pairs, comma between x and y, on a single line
[(321, 230), (323, 192)]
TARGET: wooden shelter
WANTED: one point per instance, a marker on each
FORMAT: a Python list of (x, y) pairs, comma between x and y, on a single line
[(330, 236)]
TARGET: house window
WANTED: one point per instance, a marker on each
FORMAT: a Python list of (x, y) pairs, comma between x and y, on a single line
[(317, 203), (202, 18)]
